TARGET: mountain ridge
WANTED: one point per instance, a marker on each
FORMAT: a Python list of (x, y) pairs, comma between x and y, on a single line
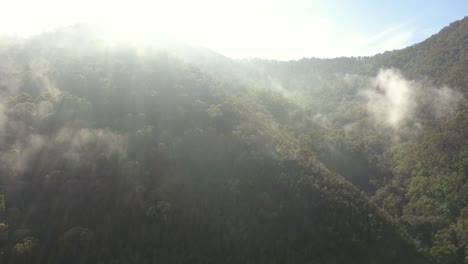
[(121, 155)]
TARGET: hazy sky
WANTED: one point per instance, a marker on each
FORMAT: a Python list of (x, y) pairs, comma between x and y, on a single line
[(247, 28)]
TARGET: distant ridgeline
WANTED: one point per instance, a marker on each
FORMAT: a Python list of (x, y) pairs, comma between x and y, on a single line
[(117, 154)]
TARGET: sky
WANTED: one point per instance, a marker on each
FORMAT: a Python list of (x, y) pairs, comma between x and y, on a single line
[(268, 29)]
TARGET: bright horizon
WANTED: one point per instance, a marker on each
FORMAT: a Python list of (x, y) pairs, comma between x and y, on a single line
[(246, 29)]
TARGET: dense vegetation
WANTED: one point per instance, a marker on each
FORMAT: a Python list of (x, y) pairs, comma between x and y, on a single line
[(114, 154)]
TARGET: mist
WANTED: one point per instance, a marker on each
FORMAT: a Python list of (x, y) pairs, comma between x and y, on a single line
[(394, 100), (123, 152)]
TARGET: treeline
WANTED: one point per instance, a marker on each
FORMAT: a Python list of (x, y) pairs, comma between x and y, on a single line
[(125, 155), (109, 156)]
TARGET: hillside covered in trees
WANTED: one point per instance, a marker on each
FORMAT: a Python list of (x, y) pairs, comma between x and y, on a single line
[(123, 154)]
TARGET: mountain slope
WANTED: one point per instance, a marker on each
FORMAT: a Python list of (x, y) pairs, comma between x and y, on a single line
[(110, 155), (443, 57), (416, 171)]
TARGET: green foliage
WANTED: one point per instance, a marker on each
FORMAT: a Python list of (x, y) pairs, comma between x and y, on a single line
[(26, 250), (214, 111), (2, 203), (119, 157), (77, 245), (443, 254)]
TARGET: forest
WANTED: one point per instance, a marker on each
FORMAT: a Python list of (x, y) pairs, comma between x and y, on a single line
[(178, 154)]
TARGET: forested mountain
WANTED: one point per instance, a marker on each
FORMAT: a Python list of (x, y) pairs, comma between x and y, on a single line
[(123, 154)]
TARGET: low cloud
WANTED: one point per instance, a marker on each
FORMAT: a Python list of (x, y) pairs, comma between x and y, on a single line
[(445, 100), (84, 143), (390, 100), (3, 119), (19, 157), (394, 101)]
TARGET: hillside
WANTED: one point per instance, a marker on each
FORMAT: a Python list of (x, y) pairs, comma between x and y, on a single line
[(115, 154), (109, 156), (415, 169)]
